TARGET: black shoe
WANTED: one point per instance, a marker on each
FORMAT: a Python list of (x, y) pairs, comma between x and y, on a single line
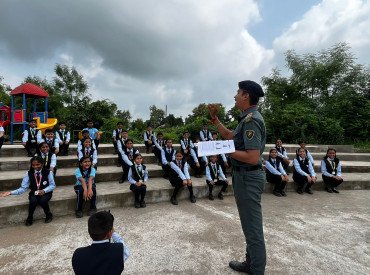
[(49, 218), (210, 197), (299, 191), (119, 164), (277, 194), (142, 204), (192, 199), (137, 204), (115, 153), (29, 222), (328, 190), (79, 214), (309, 191), (174, 201), (92, 211), (283, 193), (335, 190), (121, 181), (240, 266), (220, 196)]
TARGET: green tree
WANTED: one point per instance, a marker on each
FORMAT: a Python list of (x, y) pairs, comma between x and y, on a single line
[(156, 116), (124, 116), (4, 92)]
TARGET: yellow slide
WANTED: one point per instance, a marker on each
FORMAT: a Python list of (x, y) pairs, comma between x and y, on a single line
[(50, 123)]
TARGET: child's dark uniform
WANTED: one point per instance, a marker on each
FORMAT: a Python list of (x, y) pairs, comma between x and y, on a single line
[(120, 144), (167, 156), (117, 135), (51, 143), (158, 151), (214, 172), (137, 175), (31, 143), (130, 157), (331, 169), (63, 147), (89, 152), (282, 151), (198, 171), (279, 183), (99, 258), (175, 179), (147, 137), (47, 161), (85, 174), (301, 180)]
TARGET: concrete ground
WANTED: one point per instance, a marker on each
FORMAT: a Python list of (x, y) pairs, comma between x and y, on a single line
[(310, 234)]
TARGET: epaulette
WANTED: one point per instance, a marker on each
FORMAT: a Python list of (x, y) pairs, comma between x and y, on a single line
[(248, 117)]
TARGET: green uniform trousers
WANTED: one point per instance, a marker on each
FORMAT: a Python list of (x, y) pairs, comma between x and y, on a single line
[(248, 187)]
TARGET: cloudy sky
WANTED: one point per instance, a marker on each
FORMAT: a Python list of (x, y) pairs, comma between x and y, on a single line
[(178, 53)]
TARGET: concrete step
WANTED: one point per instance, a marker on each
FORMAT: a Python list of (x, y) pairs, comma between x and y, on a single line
[(14, 209)]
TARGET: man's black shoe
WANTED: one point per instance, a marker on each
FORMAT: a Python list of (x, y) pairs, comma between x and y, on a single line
[(220, 196), (240, 266), (335, 190), (210, 197), (174, 201)]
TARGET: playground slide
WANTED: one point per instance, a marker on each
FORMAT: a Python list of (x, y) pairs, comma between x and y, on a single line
[(50, 123)]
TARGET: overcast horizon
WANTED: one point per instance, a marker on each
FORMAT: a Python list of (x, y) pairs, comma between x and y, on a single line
[(171, 52)]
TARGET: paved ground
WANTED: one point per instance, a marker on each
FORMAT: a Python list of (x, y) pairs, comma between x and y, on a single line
[(319, 234)]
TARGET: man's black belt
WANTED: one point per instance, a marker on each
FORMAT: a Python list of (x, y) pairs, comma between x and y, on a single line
[(247, 168)]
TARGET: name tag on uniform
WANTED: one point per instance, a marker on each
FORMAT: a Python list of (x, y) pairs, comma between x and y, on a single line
[(215, 180), (333, 172)]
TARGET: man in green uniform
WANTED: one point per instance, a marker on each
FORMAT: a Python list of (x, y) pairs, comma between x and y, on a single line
[(248, 177)]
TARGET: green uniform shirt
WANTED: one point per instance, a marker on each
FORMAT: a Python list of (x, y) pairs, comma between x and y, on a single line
[(250, 134)]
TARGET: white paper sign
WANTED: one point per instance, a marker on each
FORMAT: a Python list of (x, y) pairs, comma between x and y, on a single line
[(215, 147)]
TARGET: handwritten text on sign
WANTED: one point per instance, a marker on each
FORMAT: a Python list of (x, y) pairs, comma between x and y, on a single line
[(208, 148)]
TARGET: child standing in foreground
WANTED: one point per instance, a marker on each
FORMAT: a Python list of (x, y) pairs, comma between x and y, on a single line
[(41, 184), (102, 256), (138, 177), (85, 186), (179, 177)]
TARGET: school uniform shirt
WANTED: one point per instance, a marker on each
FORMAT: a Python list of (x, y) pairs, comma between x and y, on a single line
[(186, 143), (46, 156), (223, 157), (36, 132), (183, 175), (80, 145), (273, 169), (148, 136), (140, 169), (308, 155), (163, 155), (281, 152), (220, 174), (92, 132), (63, 135), (117, 239), (194, 155), (83, 152), (26, 184), (120, 145), (325, 172), (297, 167), (116, 133), (1, 129), (131, 152), (55, 142), (205, 135), (84, 175), (160, 143)]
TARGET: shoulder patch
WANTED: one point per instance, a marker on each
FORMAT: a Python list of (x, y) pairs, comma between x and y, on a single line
[(249, 134), (248, 117)]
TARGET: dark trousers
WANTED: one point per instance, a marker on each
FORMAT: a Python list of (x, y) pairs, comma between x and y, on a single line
[(198, 171), (139, 192), (115, 146), (166, 169), (148, 146), (331, 182), (31, 148), (43, 201), (97, 142), (63, 149), (125, 169), (80, 199), (1, 141), (158, 154), (277, 180), (285, 165), (248, 188), (219, 182), (302, 182), (177, 183)]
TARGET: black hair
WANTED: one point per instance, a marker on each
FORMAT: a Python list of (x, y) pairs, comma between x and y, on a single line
[(62, 122), (169, 139), (136, 156), (80, 166), (186, 132), (89, 120), (99, 225), (48, 131), (38, 159), (119, 122), (43, 143), (331, 149), (84, 131), (160, 134), (128, 140)]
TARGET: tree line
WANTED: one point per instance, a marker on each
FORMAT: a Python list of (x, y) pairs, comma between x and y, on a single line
[(322, 98)]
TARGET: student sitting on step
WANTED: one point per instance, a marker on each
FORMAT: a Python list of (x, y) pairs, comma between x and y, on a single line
[(159, 143), (85, 186), (186, 144), (331, 170), (102, 256), (138, 178), (121, 145), (282, 155), (302, 145), (223, 159), (275, 173), (41, 184), (149, 137), (179, 177), (117, 135), (197, 164), (49, 158), (303, 173), (94, 133), (31, 138), (85, 135), (168, 154), (215, 176), (50, 139), (64, 137), (88, 151), (127, 153)]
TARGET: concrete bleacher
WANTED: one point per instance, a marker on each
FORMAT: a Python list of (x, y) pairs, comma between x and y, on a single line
[(14, 164)]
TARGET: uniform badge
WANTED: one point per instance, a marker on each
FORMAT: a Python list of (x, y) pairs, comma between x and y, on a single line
[(248, 117), (45, 182), (249, 134)]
